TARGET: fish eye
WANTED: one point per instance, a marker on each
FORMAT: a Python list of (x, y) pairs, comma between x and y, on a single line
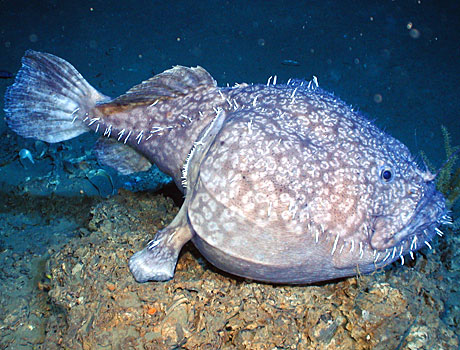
[(386, 173)]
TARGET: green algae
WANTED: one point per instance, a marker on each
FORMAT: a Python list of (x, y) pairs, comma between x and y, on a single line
[(448, 179)]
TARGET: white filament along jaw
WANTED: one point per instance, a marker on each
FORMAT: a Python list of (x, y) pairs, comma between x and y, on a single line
[(394, 252), (446, 220), (386, 256), (400, 254), (439, 232), (428, 176)]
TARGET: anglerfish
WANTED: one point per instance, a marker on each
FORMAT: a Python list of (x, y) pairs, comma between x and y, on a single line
[(283, 183)]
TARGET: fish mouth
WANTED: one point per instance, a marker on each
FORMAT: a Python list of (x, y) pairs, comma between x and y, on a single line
[(420, 228)]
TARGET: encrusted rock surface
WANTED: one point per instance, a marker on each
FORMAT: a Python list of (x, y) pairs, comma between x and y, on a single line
[(98, 305)]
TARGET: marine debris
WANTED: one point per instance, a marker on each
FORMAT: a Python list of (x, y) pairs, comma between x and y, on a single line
[(25, 154)]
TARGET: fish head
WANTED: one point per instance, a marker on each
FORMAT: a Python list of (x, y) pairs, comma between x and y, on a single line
[(370, 197), (407, 208), (391, 207)]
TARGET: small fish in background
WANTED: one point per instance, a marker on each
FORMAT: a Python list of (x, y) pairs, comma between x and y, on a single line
[(4, 74), (290, 63)]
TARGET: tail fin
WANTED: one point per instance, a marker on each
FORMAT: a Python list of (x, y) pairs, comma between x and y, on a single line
[(48, 98)]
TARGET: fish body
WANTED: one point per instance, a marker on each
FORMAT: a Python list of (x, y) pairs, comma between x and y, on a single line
[(283, 183)]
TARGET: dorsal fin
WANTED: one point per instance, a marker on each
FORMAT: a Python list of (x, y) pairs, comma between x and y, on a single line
[(174, 82)]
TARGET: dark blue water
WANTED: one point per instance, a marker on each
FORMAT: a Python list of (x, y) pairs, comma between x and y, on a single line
[(398, 61)]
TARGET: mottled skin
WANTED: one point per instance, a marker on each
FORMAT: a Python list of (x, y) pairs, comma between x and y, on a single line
[(283, 183)]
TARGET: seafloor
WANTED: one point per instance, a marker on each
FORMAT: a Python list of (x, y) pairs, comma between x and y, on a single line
[(69, 225), (81, 295)]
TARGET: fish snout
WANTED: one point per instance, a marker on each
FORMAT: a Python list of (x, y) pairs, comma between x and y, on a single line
[(383, 236)]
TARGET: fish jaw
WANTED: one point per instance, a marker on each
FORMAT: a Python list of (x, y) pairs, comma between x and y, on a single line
[(418, 231)]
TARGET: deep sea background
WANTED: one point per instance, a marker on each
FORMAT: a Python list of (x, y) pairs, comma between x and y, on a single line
[(398, 62)]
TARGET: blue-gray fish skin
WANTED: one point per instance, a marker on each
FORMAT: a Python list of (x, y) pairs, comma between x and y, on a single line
[(283, 183)]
